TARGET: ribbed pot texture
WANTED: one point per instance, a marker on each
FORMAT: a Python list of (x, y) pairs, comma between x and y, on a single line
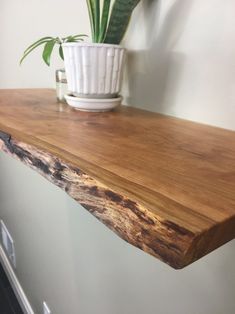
[(94, 70)]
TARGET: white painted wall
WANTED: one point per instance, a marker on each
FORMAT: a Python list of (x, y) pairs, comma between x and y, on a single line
[(181, 62), (25, 21)]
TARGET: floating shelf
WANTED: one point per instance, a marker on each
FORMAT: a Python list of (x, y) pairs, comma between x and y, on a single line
[(165, 185)]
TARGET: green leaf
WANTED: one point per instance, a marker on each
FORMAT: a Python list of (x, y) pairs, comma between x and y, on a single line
[(37, 42), (92, 19), (80, 36), (72, 39), (61, 52), (67, 39), (104, 19), (47, 51), (28, 51), (94, 14), (97, 19), (49, 45), (119, 20)]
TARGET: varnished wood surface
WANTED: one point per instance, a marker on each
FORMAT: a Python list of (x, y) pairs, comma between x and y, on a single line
[(163, 184)]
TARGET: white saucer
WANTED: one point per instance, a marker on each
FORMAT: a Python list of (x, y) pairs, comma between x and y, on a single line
[(93, 105)]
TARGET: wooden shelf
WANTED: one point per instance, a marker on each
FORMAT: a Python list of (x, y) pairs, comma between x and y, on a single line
[(163, 184)]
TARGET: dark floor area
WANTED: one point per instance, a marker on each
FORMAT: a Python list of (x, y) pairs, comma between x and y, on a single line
[(8, 301)]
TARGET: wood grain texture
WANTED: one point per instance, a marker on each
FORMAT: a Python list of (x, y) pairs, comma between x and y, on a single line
[(163, 184)]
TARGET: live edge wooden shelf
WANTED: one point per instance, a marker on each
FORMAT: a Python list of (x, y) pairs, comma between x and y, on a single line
[(165, 185)]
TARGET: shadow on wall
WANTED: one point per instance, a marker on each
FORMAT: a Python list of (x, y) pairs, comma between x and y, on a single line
[(153, 75)]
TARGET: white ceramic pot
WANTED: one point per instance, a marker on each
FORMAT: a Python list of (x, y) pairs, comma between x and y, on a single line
[(94, 70)]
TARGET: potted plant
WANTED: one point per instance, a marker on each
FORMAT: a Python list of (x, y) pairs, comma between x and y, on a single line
[(94, 70)]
